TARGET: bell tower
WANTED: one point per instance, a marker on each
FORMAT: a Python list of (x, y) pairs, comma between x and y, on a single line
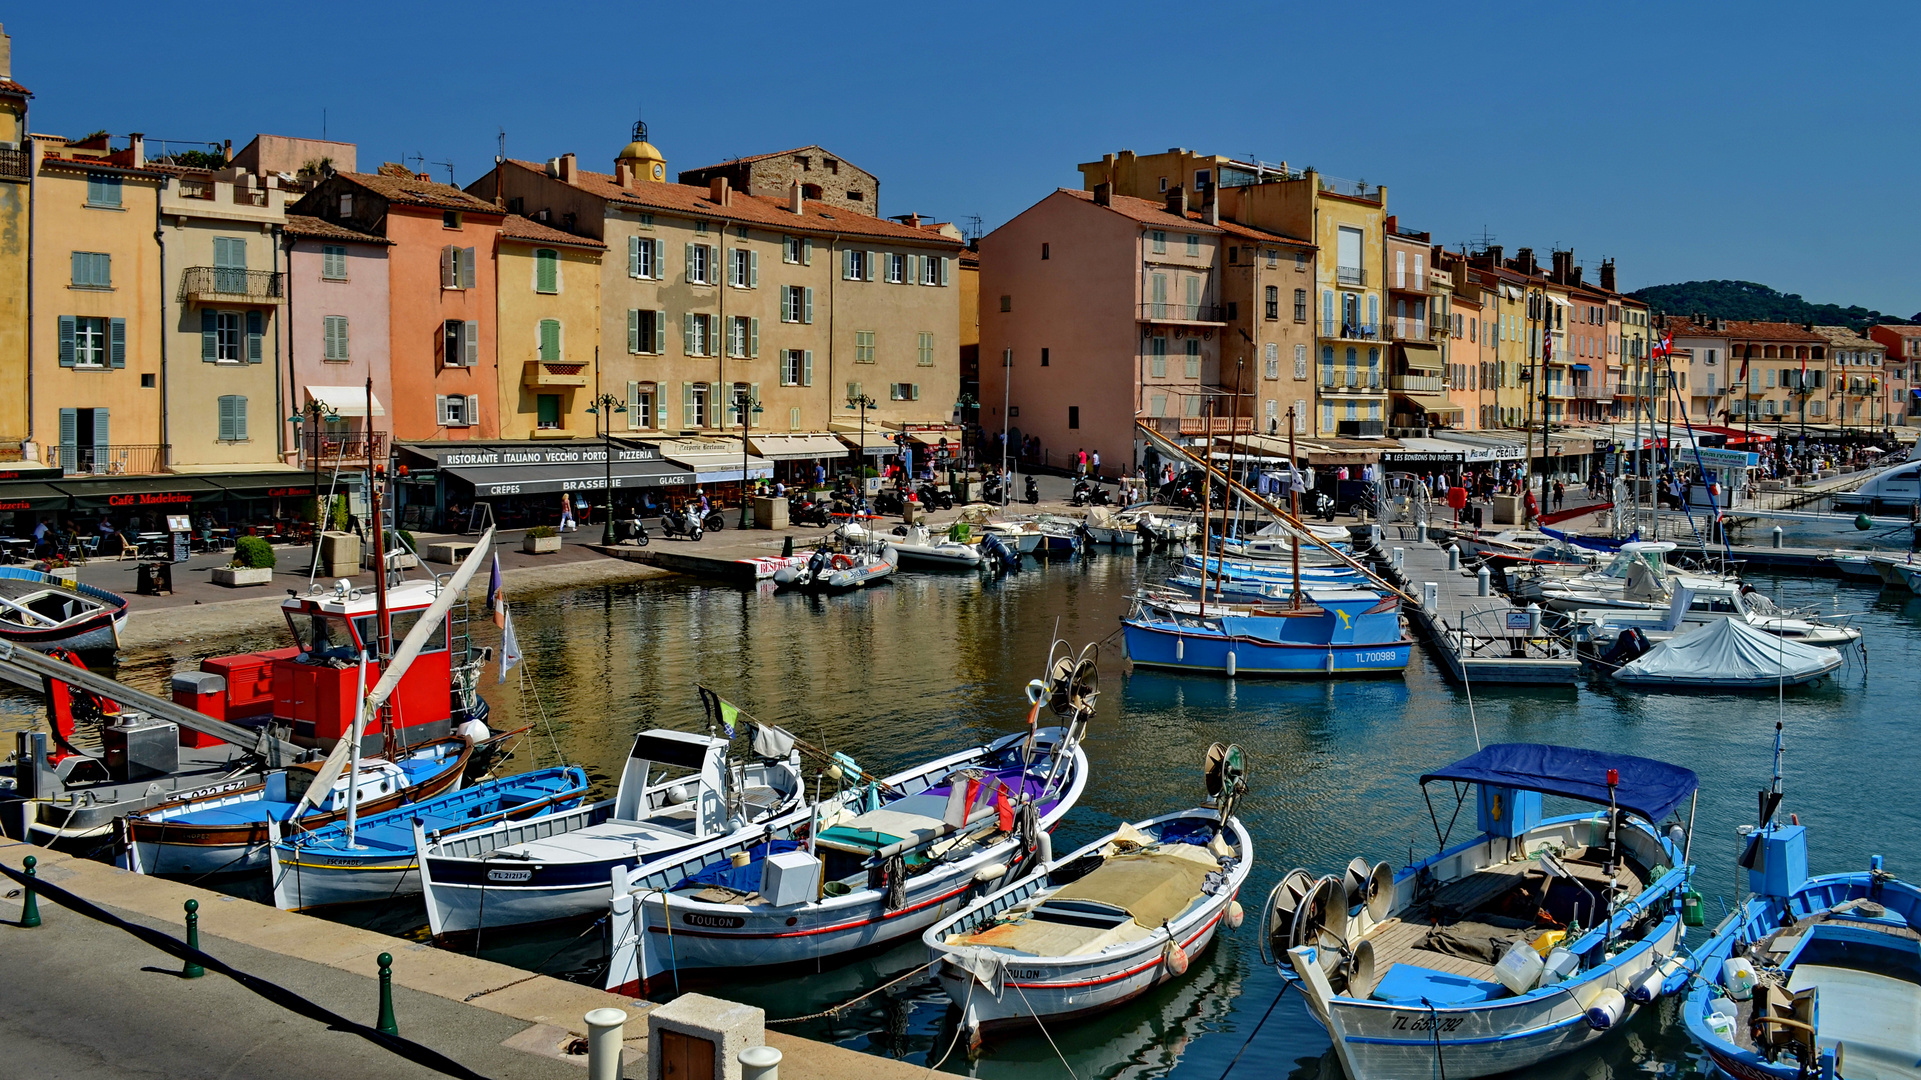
[(645, 163)]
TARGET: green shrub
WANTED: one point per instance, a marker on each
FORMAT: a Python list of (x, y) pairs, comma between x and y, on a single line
[(338, 518), (407, 538), (253, 553), (541, 532)]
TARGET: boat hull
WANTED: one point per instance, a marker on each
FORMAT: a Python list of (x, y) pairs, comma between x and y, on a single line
[(1152, 645)]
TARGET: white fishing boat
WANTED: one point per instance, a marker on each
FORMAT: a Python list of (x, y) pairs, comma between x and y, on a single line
[(1105, 924), (559, 865), (47, 612), (1729, 654), (1022, 535), (1890, 567), (1695, 602), (1107, 529), (919, 547), (1566, 587), (1533, 939), (870, 865), (1853, 565)]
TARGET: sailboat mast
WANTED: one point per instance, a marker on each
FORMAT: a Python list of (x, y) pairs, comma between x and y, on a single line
[(1207, 496), (1294, 503), (383, 638), (1233, 424), (353, 752)]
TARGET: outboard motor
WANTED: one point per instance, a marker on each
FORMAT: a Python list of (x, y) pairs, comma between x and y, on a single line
[(1628, 647), (997, 550)]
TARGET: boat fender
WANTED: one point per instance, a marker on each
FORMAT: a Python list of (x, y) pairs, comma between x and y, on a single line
[(1174, 957), (477, 731), (1605, 1009), (1646, 986), (992, 872), (1235, 915)]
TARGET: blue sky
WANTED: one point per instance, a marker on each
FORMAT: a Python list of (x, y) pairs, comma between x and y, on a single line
[(1766, 141)]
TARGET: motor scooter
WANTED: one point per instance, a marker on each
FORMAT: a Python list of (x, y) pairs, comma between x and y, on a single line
[(1033, 491), (681, 523)]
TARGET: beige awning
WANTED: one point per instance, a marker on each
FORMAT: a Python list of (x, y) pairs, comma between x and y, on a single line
[(877, 444), (1422, 355), (933, 436), (796, 445), (345, 400), (1432, 404)]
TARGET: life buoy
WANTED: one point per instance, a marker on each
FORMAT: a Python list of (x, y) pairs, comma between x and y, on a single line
[(843, 562)]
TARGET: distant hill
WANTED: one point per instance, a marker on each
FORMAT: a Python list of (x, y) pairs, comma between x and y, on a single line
[(1754, 302)]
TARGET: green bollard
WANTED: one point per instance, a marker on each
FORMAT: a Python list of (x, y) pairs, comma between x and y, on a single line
[(385, 1024), (30, 907), (193, 970)]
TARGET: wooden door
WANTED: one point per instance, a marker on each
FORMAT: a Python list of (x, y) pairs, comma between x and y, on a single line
[(685, 1057)]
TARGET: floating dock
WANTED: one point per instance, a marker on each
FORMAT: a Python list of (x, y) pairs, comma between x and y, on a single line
[(1477, 639)]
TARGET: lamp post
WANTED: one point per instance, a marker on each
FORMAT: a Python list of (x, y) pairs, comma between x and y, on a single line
[(747, 404), (314, 412), (863, 403), (604, 408), (961, 405)]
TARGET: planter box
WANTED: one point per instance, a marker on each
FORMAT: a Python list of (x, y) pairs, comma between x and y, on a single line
[(234, 577), (770, 513), (452, 552), (540, 545)]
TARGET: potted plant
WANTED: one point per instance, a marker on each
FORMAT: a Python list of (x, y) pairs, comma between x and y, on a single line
[(540, 540), (252, 564), (59, 566)]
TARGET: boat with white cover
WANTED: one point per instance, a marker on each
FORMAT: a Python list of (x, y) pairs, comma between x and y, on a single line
[(1105, 924), (1729, 654), (1535, 938), (1696, 602)]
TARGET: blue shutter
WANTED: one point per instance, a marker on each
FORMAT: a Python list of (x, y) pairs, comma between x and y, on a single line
[(101, 444), (1327, 312), (67, 333), (256, 329), (240, 417), (69, 447), (116, 345), (209, 336), (226, 418)]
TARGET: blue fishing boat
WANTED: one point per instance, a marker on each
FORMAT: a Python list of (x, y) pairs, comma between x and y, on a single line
[(1810, 976), (1250, 590), (1339, 632), (1314, 572), (376, 860)]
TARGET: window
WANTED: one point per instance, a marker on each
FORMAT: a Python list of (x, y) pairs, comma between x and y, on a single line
[(933, 270), (1043, 356), (895, 267), (743, 268), (333, 262), (855, 265), (1073, 417), (700, 264), (1203, 178), (796, 304), (1274, 303), (450, 219), (103, 190), (1273, 361), (863, 346), (1348, 267), (1193, 246), (1193, 358), (902, 391), (346, 204), (646, 331), (333, 332), (1300, 361), (1273, 260), (92, 343), (798, 250), (693, 405), (797, 367), (458, 411), (233, 418), (460, 343), (644, 257), (1044, 251), (1300, 305), (546, 270), (550, 341), (926, 354), (457, 267), (1157, 357), (547, 412), (640, 405), (227, 336), (1007, 302), (92, 270), (698, 334), (743, 337), (1158, 238)]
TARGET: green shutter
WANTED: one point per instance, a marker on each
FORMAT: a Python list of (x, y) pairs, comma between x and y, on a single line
[(547, 271), (873, 265), (753, 396), (209, 335), (807, 367), (633, 405), (690, 264), (807, 251), (753, 269), (550, 341), (686, 404), (687, 331), (660, 331), (256, 330), (117, 342), (753, 338), (226, 418), (82, 268), (633, 330), (633, 256), (67, 333), (807, 306)]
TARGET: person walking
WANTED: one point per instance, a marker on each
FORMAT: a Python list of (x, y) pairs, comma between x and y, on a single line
[(567, 515), (1560, 496), (1094, 462)]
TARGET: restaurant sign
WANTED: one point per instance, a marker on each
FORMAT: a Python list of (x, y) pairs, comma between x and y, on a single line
[(151, 498), (1503, 452), (558, 455)]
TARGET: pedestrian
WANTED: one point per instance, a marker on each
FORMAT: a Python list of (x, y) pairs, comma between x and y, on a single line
[(1080, 463), (567, 515), (1560, 495), (1094, 461)]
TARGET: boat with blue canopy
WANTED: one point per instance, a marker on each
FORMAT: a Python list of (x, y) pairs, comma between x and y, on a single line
[(1536, 937)]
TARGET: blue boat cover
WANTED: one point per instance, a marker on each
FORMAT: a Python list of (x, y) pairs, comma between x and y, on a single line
[(1592, 543), (1649, 788)]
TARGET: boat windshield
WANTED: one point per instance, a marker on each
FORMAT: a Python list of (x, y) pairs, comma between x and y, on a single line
[(323, 637), (1624, 560)]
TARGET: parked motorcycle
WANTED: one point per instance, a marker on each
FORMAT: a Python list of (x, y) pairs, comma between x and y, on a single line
[(681, 523), (1033, 491), (932, 497), (804, 511), (1090, 493), (636, 530), (715, 520), (991, 489)]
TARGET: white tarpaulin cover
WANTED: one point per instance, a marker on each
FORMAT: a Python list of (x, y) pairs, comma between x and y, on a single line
[(1729, 653)]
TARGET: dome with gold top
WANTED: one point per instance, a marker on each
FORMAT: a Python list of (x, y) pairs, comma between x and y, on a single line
[(647, 162)]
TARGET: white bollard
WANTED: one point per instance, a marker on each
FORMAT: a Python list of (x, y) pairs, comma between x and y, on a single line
[(1399, 558), (1777, 536), (760, 1063), (604, 1030), (1430, 596), (1483, 582), (1533, 620), (1454, 556)]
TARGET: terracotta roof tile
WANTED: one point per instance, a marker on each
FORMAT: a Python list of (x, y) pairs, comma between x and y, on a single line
[(769, 154), (410, 192), (817, 219), (516, 227), (1842, 337), (313, 228), (1904, 331), (1772, 331), (1145, 211), (8, 86)]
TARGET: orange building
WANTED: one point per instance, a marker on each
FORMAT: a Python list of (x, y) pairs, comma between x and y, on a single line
[(441, 289)]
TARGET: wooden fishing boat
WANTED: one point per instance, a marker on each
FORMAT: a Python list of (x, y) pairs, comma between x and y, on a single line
[(44, 612), (1336, 632)]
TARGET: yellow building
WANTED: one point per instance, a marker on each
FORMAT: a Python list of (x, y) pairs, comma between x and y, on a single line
[(548, 299), (98, 356), (16, 191)]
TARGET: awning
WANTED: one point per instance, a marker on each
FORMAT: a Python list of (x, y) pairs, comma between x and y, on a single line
[(1556, 301), (274, 485), (1417, 451), (1569, 446), (496, 481), (28, 495), (345, 400), (797, 446), (715, 467), (1579, 367), (143, 492), (1431, 404), (933, 436), (878, 444), (30, 470), (1421, 355), (1646, 787)]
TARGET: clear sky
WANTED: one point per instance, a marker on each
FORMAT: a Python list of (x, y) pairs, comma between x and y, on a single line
[(1764, 141)]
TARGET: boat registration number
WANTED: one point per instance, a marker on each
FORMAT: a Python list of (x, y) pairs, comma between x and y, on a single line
[(719, 922), (1425, 1022), (510, 875)]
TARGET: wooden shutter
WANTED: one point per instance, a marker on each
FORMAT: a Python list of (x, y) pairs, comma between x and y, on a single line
[(209, 336), (753, 395), (550, 341), (946, 265), (807, 251), (633, 256), (68, 331), (546, 271), (440, 410), (687, 333), (807, 367), (473, 410), (101, 443), (873, 260), (660, 332), (633, 404), (807, 305), (256, 330), (1327, 310), (117, 342), (327, 350), (753, 338), (226, 418), (912, 277), (753, 269), (467, 277), (660, 259), (449, 269), (69, 434), (470, 342), (686, 404), (690, 265), (847, 265), (633, 330), (341, 348), (82, 268)]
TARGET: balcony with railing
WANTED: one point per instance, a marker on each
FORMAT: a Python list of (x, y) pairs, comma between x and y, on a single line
[(540, 374), (1349, 381), (1216, 425), (345, 448), (15, 165), (1404, 329), (1357, 332), (1417, 384), (227, 285), (109, 459), (1593, 391), (1209, 314), (1351, 275)]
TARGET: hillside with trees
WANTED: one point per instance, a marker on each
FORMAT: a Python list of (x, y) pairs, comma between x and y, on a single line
[(1754, 302)]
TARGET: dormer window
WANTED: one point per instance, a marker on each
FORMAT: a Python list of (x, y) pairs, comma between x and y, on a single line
[(346, 204)]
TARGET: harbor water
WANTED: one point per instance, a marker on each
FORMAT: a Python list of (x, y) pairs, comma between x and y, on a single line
[(931, 663)]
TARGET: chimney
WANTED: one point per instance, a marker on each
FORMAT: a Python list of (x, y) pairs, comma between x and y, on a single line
[(1213, 206), (624, 174), (795, 201), (1574, 275), (1563, 264), (569, 169), (718, 191), (1177, 200), (1607, 274), (1494, 253), (137, 149), (1103, 194), (226, 152), (1720, 325), (6, 55)]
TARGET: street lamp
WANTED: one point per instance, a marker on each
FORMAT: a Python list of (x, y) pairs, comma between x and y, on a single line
[(314, 412), (863, 403), (747, 403), (603, 409)]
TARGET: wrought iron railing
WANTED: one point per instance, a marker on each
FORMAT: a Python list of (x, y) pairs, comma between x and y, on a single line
[(343, 447), (15, 165), (1165, 312), (227, 283), (109, 459)]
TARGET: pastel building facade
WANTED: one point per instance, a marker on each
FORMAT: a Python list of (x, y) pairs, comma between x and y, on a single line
[(16, 195), (549, 331), (338, 336)]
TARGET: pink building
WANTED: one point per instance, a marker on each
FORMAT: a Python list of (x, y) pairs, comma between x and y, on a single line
[(1901, 388), (1098, 308), (337, 338)]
